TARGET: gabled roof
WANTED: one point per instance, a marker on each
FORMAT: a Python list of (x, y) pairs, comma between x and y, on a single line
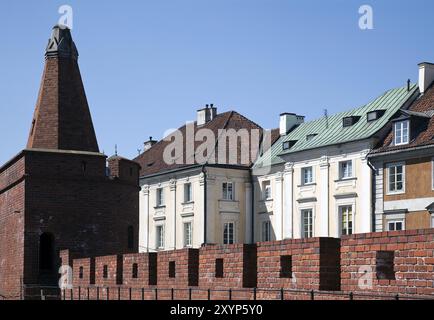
[(423, 108), (152, 162), (330, 130)]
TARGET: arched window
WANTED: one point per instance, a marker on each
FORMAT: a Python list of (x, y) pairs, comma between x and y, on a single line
[(130, 237), (46, 252), (135, 271)]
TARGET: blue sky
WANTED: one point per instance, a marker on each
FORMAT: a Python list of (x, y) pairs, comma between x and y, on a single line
[(148, 65)]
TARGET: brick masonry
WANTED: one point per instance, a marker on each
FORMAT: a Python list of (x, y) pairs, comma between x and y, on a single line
[(332, 268)]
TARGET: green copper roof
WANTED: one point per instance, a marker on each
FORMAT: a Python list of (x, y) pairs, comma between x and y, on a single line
[(330, 131)]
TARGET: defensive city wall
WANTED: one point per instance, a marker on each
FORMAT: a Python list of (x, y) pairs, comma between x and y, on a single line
[(396, 264)]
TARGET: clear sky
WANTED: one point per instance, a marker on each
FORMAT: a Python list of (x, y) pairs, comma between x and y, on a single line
[(149, 65)]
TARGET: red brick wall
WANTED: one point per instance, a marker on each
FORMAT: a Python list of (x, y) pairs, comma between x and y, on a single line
[(239, 266), (186, 268), (147, 270), (413, 262), (114, 266), (315, 264)]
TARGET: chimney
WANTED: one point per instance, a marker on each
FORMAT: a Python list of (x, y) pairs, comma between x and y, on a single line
[(288, 121), (148, 144), (206, 114), (426, 76)]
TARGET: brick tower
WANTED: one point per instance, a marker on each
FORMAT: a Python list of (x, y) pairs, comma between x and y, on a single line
[(59, 192)]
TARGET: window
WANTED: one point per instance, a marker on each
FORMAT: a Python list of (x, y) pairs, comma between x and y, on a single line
[(80, 272), (309, 137), (347, 218), (135, 271), (306, 175), (286, 266), (188, 234), (130, 240), (395, 225), (172, 269), (160, 197), (385, 265), (160, 237), (266, 190), (307, 223), (219, 272), (188, 193), (286, 145), (105, 271), (228, 191), (350, 121), (396, 178), (345, 169), (401, 132), (228, 233), (374, 115), (266, 231)]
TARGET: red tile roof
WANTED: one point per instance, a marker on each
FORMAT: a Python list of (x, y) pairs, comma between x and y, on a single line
[(152, 161)]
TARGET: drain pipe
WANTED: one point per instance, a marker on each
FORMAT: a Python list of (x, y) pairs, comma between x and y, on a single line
[(205, 209)]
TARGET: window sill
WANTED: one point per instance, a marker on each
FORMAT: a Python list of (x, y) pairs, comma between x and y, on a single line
[(394, 193), (187, 203), (307, 185), (160, 207), (346, 179)]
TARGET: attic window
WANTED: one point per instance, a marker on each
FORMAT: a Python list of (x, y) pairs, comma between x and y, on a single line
[(310, 136), (150, 164), (286, 145), (374, 115), (350, 121)]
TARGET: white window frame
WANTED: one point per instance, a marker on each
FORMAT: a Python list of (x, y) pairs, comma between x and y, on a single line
[(159, 197), (160, 238), (341, 170), (228, 223), (225, 193), (432, 174), (432, 220), (188, 234), (266, 190), (312, 227), (304, 182), (388, 167), (188, 192), (400, 126), (341, 218), (266, 231), (388, 221)]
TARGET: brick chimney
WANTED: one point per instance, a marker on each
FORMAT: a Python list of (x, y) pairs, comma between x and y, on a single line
[(62, 118), (206, 114)]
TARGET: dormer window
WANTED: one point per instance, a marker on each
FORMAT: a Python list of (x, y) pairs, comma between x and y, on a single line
[(374, 115), (402, 132), (310, 136), (286, 145), (350, 121)]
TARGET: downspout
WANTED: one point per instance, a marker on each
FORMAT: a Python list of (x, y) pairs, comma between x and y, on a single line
[(252, 236), (147, 235), (205, 209), (373, 192)]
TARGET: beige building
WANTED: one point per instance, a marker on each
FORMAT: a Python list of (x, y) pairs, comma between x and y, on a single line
[(185, 202), (319, 181)]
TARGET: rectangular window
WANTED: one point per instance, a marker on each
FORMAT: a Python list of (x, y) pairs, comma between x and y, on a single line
[(228, 233), (266, 190), (396, 178), (345, 169), (228, 191), (172, 269), (385, 265), (160, 237), (286, 266), (219, 271), (105, 271), (306, 175), (188, 234), (160, 197), (307, 223), (266, 231), (401, 130), (188, 193), (395, 225), (347, 218)]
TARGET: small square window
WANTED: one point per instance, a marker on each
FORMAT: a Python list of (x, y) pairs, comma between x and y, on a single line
[(286, 266), (395, 225), (345, 169), (306, 175)]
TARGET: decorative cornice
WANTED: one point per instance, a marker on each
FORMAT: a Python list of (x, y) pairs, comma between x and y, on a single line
[(145, 189), (324, 162), (289, 167)]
